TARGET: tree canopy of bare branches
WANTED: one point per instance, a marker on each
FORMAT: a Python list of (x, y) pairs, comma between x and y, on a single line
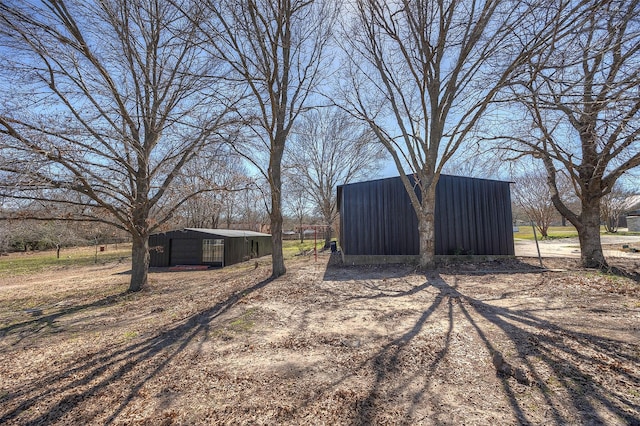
[(109, 101), (613, 206), (277, 50), (423, 72), (224, 176), (581, 96), (329, 147), (532, 194)]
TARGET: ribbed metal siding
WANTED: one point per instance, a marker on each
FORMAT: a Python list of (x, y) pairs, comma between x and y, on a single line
[(473, 216), (159, 250), (236, 249), (186, 251), (377, 218)]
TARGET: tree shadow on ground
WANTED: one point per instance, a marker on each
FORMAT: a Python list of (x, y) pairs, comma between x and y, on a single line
[(141, 361), (557, 364), (541, 348), (337, 271), (39, 322), (624, 272)]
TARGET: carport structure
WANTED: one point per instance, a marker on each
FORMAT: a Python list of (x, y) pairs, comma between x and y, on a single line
[(202, 246)]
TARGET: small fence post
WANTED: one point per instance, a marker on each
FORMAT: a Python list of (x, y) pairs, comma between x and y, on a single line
[(535, 237)]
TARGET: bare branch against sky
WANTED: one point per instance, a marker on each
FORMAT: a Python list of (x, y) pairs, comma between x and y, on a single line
[(581, 110), (109, 100), (422, 73), (278, 51)]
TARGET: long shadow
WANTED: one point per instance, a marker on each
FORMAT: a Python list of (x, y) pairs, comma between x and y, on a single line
[(624, 273), (122, 361), (552, 350), (561, 350), (543, 349), (387, 361), (38, 323)]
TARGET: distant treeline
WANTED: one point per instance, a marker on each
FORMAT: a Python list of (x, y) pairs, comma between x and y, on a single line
[(29, 235)]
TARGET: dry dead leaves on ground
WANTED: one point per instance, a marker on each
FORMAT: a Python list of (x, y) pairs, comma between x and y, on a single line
[(496, 343)]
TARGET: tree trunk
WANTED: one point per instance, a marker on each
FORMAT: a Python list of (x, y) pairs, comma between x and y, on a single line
[(275, 181), (426, 228), (327, 235), (589, 235), (277, 258), (301, 232), (139, 262), (544, 231)]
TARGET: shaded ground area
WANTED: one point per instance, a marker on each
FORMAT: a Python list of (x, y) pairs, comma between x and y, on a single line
[(495, 343)]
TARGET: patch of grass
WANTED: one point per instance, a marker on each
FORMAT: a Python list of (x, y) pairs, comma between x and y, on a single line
[(244, 323), (130, 335), (293, 248), (526, 233), (30, 262)]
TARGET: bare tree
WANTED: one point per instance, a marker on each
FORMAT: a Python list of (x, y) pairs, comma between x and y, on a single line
[(613, 205), (110, 100), (581, 94), (296, 201), (329, 147), (251, 208), (223, 174), (422, 74), (532, 194), (278, 50)]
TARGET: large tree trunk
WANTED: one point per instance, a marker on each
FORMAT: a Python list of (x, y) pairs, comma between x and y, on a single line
[(587, 223), (277, 258), (327, 235), (589, 236), (327, 229), (139, 262), (275, 178), (426, 228)]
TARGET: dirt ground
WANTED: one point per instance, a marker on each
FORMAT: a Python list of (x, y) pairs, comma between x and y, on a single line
[(496, 343)]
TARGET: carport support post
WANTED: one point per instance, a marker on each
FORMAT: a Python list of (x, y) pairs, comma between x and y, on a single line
[(535, 237)]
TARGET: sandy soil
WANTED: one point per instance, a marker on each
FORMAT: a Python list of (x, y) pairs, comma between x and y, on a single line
[(494, 343)]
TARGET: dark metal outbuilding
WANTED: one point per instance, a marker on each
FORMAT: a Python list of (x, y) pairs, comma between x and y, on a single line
[(472, 217), (633, 221), (200, 246)]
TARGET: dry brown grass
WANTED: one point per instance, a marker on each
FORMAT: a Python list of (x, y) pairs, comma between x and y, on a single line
[(322, 345)]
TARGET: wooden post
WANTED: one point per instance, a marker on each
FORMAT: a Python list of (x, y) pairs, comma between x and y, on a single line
[(315, 241), (535, 237)]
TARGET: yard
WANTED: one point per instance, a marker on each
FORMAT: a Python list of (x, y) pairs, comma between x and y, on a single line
[(494, 343)]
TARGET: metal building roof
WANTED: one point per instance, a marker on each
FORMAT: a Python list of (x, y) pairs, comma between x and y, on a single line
[(228, 232)]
